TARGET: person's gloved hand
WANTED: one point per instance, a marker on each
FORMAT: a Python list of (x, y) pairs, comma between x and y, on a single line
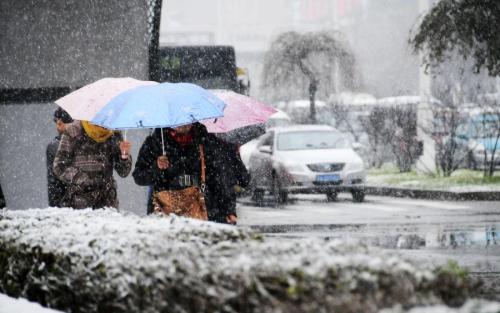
[(162, 162), (125, 149), (231, 219)]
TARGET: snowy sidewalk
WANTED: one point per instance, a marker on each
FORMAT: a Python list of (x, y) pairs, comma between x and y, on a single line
[(464, 185), (11, 305), (433, 194)]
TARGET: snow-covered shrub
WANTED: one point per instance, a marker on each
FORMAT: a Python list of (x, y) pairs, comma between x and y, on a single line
[(106, 261)]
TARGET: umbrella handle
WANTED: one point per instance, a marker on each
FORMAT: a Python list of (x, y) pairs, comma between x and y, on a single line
[(162, 142), (124, 156)]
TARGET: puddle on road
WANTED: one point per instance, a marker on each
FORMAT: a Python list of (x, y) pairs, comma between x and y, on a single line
[(382, 236), (487, 236), (475, 247)]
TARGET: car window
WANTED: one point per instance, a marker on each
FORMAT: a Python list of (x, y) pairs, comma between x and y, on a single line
[(310, 140)]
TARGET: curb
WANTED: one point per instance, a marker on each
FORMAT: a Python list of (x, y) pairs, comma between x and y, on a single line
[(432, 194)]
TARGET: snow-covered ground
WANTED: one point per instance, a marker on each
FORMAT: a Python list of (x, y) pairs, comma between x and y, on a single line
[(394, 180), (471, 306), (11, 305)]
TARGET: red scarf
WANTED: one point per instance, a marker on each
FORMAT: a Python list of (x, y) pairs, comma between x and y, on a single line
[(182, 139)]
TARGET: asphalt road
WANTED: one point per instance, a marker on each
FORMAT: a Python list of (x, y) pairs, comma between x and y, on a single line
[(467, 232)]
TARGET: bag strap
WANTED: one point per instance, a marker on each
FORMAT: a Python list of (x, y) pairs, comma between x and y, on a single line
[(202, 158)]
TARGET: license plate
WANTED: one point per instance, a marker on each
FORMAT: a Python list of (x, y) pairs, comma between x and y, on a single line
[(328, 178)]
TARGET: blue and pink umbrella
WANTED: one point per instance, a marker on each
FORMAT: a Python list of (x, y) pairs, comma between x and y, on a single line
[(126, 103)]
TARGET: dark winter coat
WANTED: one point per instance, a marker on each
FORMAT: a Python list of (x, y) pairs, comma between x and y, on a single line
[(87, 167), (186, 161), (240, 175), (235, 174), (56, 188)]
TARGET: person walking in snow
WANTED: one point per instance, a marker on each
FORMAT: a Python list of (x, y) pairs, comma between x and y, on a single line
[(171, 159), (56, 187), (236, 177), (85, 161)]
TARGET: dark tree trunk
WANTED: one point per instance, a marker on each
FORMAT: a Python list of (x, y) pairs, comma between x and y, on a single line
[(492, 159), (154, 40), (312, 95), (2, 199)]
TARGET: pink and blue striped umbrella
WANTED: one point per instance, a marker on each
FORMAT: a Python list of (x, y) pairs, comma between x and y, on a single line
[(241, 111), (84, 103)]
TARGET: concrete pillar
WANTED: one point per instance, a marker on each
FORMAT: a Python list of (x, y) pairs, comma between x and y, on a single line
[(426, 163), (60, 43)]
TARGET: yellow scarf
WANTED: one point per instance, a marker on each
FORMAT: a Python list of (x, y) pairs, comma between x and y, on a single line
[(98, 133)]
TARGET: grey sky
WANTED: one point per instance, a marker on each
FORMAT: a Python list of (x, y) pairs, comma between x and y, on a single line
[(377, 31)]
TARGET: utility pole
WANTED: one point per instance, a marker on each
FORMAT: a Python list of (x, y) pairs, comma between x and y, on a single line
[(427, 161), (154, 18)]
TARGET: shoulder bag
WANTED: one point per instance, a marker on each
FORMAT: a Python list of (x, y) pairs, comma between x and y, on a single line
[(187, 202)]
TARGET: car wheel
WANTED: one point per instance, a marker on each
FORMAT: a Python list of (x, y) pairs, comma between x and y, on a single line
[(358, 195), (280, 196), (331, 196)]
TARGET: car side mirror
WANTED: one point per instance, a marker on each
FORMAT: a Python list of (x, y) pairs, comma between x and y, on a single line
[(266, 149)]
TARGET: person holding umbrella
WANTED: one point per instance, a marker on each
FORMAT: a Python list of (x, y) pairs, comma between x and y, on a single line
[(180, 160), (173, 160), (88, 154), (85, 161), (232, 175)]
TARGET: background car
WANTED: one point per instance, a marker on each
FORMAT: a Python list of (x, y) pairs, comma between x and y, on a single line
[(299, 110), (476, 138), (305, 159), (278, 119)]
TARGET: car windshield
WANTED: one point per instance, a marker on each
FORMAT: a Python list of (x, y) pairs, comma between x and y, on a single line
[(311, 140)]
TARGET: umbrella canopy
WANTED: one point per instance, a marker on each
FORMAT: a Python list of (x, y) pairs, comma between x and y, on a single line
[(161, 105), (241, 111), (243, 135), (84, 103)]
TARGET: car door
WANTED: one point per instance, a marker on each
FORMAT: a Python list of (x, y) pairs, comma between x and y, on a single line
[(261, 161)]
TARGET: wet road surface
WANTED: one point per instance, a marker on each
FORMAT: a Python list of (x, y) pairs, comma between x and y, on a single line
[(433, 231)]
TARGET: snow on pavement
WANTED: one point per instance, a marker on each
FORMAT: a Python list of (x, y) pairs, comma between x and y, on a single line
[(12, 305)]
